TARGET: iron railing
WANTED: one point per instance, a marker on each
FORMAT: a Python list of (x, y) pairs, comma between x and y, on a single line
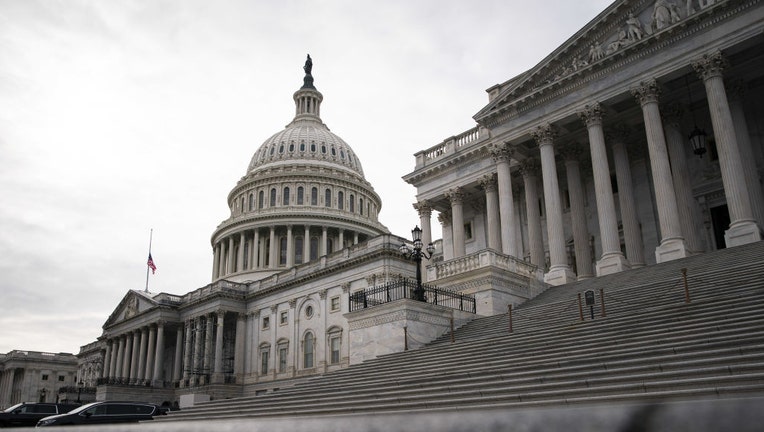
[(409, 289)]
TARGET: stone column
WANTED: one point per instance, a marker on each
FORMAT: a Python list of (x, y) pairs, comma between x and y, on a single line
[(128, 356), (672, 244), (188, 351), (571, 153), (106, 371), (116, 365), (502, 154), (197, 353), (444, 217), (559, 272), (488, 183), (324, 240), (273, 258), (231, 256), (743, 228), (612, 260), (223, 259), (177, 368), (455, 195), (256, 255), (632, 233), (135, 356), (159, 356), (341, 244), (216, 262), (686, 205), (238, 357), (752, 178), (240, 255), (208, 350), (425, 213), (529, 169), (290, 247), (218, 377), (306, 245), (150, 353), (142, 354)]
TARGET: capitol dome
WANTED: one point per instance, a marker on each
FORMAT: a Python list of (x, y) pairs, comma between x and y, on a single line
[(304, 195)]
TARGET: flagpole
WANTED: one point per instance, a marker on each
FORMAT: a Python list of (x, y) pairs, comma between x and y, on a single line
[(151, 235)]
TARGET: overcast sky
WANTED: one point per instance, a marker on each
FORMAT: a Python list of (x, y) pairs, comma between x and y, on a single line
[(121, 116)]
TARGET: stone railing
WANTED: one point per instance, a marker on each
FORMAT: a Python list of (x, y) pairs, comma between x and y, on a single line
[(450, 146), (484, 258), (386, 243), (215, 287)]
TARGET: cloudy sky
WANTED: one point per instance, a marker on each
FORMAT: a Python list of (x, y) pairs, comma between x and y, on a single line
[(122, 116)]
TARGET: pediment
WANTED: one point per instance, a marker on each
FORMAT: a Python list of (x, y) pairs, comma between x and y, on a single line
[(625, 27), (132, 304)]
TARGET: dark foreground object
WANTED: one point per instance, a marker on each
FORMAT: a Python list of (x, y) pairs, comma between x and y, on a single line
[(714, 415)]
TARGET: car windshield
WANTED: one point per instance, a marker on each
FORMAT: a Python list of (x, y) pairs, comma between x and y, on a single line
[(13, 407), (82, 408)]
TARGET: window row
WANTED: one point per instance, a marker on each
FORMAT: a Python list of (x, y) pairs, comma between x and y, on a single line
[(250, 203), (304, 147), (307, 360)]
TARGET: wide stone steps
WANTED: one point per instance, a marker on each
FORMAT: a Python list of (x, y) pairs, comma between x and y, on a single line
[(650, 346)]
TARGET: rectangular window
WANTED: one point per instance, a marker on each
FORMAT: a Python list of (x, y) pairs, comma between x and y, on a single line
[(61, 378), (284, 317), (264, 355), (335, 303), (334, 344), (44, 377), (266, 322), (283, 351), (468, 231)]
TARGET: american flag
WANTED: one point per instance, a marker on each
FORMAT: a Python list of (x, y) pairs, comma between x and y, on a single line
[(151, 265)]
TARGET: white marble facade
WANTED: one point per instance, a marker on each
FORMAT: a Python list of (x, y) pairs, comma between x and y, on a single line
[(579, 167), (590, 148)]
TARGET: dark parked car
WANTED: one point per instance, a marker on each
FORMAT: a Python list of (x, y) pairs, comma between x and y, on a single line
[(105, 412), (29, 413)]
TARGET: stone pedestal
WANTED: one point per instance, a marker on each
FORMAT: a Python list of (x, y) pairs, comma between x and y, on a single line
[(612, 263), (742, 233), (559, 276), (189, 400), (671, 249), (397, 326)]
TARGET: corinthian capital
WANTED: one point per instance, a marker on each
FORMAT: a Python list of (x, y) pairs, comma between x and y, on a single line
[(592, 114), (544, 134), (710, 65), (502, 152), (423, 208), (647, 92), (488, 182), (529, 167), (455, 195)]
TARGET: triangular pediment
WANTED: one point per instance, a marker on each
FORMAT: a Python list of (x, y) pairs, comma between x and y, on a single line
[(132, 304), (623, 28)]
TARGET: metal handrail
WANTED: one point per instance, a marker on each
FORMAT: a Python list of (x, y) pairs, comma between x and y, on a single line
[(409, 289)]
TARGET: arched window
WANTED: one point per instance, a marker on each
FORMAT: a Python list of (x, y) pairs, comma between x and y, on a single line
[(241, 206), (329, 245), (298, 248), (352, 203), (281, 148), (314, 196), (313, 147), (302, 146), (323, 148), (313, 248), (285, 199), (308, 351), (291, 147), (328, 198), (300, 193), (334, 151), (260, 199), (251, 201), (282, 251), (360, 205), (340, 200), (273, 197)]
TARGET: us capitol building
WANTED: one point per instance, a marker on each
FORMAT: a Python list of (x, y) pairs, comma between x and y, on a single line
[(637, 141)]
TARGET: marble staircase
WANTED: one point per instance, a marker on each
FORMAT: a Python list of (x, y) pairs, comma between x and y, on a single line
[(650, 346)]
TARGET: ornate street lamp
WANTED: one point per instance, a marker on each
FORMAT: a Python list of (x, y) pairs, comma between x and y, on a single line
[(417, 254), (43, 392)]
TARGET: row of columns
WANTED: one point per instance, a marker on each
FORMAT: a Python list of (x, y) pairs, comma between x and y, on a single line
[(203, 347), (673, 191), (136, 355), (229, 256)]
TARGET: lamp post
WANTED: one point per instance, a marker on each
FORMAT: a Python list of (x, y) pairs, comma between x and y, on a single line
[(417, 254), (79, 391), (43, 392)]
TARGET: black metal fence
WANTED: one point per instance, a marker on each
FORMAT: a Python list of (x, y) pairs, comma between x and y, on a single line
[(409, 289)]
